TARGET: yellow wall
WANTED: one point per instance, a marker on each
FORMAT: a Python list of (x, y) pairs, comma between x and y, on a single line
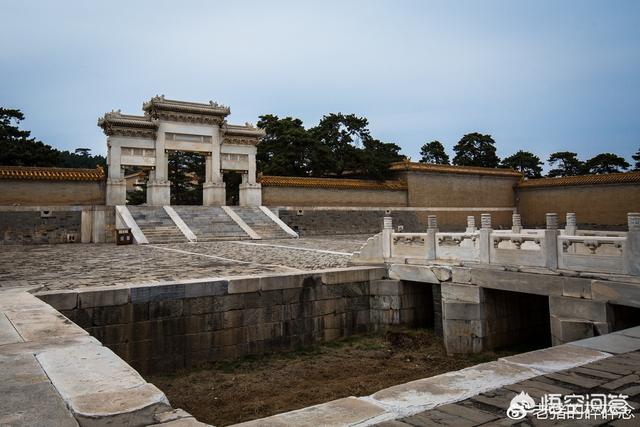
[(593, 204), (306, 196), (48, 193), (459, 190)]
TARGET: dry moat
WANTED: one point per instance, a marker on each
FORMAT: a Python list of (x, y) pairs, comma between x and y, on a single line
[(226, 393)]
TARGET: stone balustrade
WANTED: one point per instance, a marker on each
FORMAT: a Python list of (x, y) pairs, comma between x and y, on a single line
[(551, 247)]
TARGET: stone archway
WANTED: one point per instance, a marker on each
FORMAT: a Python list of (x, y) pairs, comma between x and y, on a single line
[(169, 125)]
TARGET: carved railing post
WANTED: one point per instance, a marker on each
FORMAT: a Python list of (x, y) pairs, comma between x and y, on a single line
[(471, 224), (570, 228), (485, 238), (431, 243), (632, 252), (387, 231), (550, 245), (516, 223)]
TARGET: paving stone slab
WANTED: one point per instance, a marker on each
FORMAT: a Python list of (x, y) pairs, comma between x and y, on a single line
[(34, 405), (338, 413), (470, 413), (500, 398), (611, 343), (596, 373), (546, 387), (575, 379), (438, 418), (450, 387), (629, 379), (8, 333), (556, 358), (42, 322)]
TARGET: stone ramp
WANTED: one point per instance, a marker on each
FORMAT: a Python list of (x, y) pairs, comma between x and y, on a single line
[(210, 223), (259, 222), (156, 225)]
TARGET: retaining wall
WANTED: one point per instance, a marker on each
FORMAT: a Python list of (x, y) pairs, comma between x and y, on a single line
[(162, 327)]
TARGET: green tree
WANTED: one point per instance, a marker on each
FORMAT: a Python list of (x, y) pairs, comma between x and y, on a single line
[(636, 157), (565, 163), (340, 144), (475, 149), (186, 172), (287, 149), (433, 152), (605, 163), (340, 136), (524, 162), (17, 148), (376, 157)]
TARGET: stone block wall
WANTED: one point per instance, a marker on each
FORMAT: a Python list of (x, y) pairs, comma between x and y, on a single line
[(327, 221), (312, 222), (159, 328), (24, 225), (39, 227)]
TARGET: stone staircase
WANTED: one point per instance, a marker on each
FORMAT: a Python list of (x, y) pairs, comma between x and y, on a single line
[(156, 224), (209, 223), (260, 223)]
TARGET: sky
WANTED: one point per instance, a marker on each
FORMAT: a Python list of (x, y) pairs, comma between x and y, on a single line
[(541, 76)]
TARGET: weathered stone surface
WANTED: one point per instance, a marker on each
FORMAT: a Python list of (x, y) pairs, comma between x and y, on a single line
[(574, 308), (156, 292), (575, 379), (60, 300), (616, 292), (43, 322), (617, 383), (342, 412), (8, 333), (462, 311), (461, 274), (568, 330), (451, 387), (473, 414), (556, 358), (631, 332), (351, 275), (195, 288), (100, 297), (98, 386), (413, 273), (455, 292), (443, 273), (35, 404), (611, 343), (386, 287), (577, 289), (243, 284), (541, 284)]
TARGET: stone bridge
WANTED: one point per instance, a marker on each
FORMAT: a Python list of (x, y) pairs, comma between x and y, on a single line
[(520, 286)]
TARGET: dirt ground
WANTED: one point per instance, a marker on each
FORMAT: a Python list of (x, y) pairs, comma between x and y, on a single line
[(231, 392)]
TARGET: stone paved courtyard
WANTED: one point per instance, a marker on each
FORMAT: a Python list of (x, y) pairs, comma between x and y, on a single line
[(51, 267)]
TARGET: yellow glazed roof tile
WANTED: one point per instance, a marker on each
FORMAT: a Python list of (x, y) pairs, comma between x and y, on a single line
[(51, 174)]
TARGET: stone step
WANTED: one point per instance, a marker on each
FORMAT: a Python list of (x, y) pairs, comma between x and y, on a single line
[(260, 223)]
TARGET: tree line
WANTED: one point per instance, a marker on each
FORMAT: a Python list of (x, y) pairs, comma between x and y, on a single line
[(476, 149), (18, 148), (340, 145)]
